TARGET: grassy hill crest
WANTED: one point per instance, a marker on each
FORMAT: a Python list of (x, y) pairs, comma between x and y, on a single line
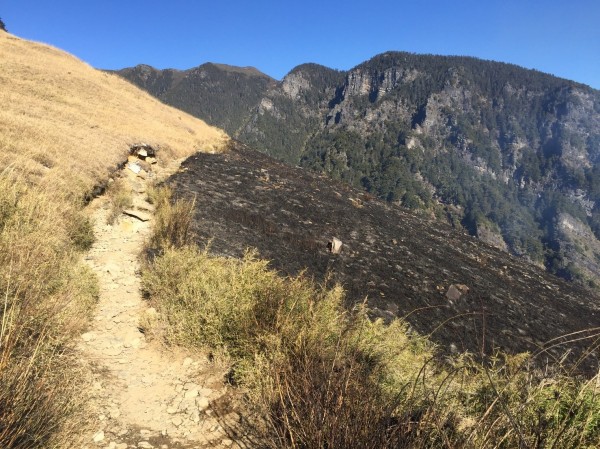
[(64, 129), (67, 123)]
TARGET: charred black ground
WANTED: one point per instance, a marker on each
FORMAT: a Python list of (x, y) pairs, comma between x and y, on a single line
[(403, 263)]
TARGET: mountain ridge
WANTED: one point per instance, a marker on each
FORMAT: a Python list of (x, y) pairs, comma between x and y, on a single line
[(173, 86), (508, 153), (258, 72)]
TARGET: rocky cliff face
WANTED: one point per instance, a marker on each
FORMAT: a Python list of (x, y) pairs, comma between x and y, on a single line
[(294, 111), (501, 151), (363, 82)]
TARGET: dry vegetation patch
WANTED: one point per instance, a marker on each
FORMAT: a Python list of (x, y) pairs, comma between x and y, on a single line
[(317, 375), (66, 124), (46, 297), (64, 127)]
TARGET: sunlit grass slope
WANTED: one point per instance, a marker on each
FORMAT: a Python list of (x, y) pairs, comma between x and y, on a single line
[(64, 127), (68, 124)]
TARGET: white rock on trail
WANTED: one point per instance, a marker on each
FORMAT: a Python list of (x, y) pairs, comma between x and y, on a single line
[(98, 437)]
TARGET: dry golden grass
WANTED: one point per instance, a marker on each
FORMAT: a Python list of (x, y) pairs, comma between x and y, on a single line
[(67, 125), (173, 220), (64, 127), (46, 297)]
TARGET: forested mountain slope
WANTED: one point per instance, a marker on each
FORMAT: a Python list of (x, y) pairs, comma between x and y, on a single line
[(510, 154), (222, 94)]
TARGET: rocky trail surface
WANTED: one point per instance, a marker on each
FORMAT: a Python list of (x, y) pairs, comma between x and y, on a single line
[(144, 395)]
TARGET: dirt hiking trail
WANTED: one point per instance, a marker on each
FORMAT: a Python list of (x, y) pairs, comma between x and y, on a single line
[(144, 395)]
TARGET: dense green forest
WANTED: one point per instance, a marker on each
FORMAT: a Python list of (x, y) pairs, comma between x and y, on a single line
[(220, 94)]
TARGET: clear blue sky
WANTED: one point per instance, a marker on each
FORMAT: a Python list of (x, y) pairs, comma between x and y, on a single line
[(561, 37)]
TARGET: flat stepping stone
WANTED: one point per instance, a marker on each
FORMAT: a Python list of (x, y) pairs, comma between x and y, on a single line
[(143, 205)]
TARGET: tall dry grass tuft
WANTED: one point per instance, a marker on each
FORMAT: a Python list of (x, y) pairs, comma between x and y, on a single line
[(319, 393), (41, 397), (318, 376), (46, 297), (173, 219), (120, 197)]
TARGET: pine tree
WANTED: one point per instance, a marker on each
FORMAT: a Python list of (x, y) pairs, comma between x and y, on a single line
[(2, 26)]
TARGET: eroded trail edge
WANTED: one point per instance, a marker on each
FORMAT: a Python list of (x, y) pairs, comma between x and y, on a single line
[(144, 395)]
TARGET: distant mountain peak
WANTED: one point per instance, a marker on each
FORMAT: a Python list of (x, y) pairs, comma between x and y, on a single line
[(312, 67), (228, 92), (248, 70)]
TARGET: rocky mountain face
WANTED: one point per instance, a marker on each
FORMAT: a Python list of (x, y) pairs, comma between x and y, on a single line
[(463, 293), (511, 155)]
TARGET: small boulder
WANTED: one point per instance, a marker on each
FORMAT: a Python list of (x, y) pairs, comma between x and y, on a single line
[(142, 151), (335, 246), (134, 167), (456, 291), (177, 421), (191, 394), (98, 437)]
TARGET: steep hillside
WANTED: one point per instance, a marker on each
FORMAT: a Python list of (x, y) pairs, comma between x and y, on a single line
[(64, 129), (465, 294), (65, 123), (509, 154), (220, 94)]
